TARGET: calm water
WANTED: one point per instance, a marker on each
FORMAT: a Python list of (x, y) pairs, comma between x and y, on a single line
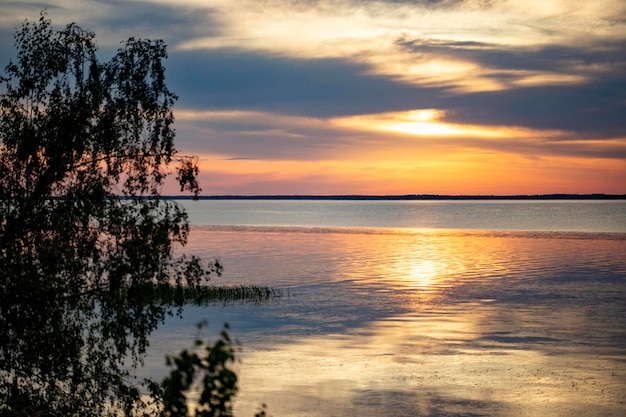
[(419, 308), (587, 216)]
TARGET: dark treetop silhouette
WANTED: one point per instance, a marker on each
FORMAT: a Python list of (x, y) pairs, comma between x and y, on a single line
[(87, 263)]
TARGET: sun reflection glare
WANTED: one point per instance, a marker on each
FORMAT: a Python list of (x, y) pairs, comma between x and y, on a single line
[(424, 273)]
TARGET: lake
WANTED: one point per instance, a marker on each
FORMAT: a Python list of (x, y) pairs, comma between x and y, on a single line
[(418, 308)]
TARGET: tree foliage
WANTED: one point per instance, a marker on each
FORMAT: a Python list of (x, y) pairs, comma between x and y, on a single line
[(219, 382), (85, 149), (206, 372)]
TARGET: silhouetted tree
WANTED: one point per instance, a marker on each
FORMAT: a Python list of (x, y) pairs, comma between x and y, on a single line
[(86, 242)]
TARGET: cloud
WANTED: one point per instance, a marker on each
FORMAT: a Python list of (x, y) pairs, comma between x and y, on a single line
[(307, 94), (512, 67), (376, 34), (557, 67), (393, 136), (223, 79)]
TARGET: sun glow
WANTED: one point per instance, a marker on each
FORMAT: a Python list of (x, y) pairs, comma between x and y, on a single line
[(429, 122), (415, 151)]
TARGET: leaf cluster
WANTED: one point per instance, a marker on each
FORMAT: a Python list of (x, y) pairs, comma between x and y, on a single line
[(218, 381), (201, 382)]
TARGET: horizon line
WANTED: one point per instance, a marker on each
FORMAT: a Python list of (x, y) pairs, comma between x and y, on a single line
[(554, 196)]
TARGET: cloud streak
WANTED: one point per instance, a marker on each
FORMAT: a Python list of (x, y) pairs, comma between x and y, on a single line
[(423, 43)]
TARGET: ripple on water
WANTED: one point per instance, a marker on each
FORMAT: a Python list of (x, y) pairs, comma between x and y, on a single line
[(422, 322)]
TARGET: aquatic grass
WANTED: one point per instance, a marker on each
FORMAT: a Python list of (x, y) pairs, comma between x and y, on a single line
[(202, 295)]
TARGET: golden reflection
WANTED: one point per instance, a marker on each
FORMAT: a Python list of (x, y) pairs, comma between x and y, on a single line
[(411, 364), (425, 322), (424, 273)]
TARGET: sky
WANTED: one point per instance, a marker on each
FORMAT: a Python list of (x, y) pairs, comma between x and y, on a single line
[(298, 97)]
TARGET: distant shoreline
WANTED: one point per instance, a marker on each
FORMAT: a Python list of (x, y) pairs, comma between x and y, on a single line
[(408, 197)]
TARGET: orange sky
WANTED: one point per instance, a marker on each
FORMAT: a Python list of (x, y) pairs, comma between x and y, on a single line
[(497, 174), (417, 153)]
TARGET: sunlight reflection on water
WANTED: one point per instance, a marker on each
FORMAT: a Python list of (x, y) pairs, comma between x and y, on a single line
[(420, 322)]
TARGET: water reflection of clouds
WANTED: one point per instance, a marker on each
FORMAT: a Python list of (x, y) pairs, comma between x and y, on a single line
[(428, 322), (437, 365)]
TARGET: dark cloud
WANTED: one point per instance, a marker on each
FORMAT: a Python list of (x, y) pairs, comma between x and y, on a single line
[(596, 106), (234, 79), (333, 87), (29, 6), (222, 79), (7, 49), (596, 110), (173, 22), (610, 55), (120, 21), (269, 141), (314, 87)]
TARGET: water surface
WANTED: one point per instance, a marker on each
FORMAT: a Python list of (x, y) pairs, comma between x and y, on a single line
[(380, 321), (546, 215)]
